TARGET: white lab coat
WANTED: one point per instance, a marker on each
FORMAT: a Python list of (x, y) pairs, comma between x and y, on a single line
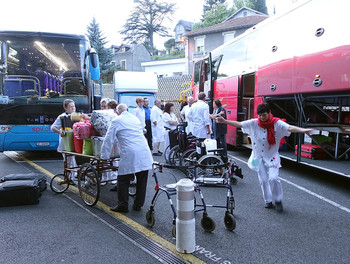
[(135, 155), (157, 130), (199, 116), (166, 119), (185, 111), (140, 114)]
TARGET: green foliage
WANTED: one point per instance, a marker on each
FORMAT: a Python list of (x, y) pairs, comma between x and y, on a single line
[(98, 42), (217, 14), (146, 20), (259, 5), (173, 55), (169, 43), (208, 5)]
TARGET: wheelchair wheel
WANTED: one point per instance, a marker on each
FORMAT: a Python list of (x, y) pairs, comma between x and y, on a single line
[(150, 218), (208, 224), (185, 156), (59, 183), (89, 184), (166, 157), (174, 156), (173, 231), (230, 222), (210, 172)]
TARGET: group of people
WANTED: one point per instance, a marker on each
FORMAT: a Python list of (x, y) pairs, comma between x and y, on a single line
[(133, 133)]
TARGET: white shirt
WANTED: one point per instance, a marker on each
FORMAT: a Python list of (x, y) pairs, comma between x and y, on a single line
[(58, 124), (135, 155), (157, 130), (167, 118), (199, 116), (140, 114), (260, 146), (185, 111)]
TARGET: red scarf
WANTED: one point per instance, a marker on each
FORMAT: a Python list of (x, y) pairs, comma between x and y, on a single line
[(269, 125)]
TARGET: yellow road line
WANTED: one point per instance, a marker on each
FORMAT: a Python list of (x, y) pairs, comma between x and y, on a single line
[(146, 232)]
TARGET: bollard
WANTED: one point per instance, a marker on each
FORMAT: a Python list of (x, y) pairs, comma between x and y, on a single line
[(185, 222)]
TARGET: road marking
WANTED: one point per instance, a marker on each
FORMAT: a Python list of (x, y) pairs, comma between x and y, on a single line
[(306, 190), (146, 232)]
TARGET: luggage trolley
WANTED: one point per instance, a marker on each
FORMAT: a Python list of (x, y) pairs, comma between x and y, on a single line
[(89, 177)]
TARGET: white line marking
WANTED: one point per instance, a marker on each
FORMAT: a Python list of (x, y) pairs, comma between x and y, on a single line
[(307, 191)]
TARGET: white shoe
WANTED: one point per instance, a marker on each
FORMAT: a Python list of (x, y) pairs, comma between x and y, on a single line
[(103, 183), (114, 182)]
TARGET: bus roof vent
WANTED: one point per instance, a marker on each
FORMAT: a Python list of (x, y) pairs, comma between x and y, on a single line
[(274, 48), (319, 32)]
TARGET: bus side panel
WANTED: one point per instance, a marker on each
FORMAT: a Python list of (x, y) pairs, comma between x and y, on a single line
[(228, 88), (275, 79), (30, 138), (332, 66)]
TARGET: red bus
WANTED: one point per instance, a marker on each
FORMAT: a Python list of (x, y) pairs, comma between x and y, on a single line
[(299, 62)]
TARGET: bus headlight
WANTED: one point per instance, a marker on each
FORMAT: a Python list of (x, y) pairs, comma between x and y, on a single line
[(5, 128)]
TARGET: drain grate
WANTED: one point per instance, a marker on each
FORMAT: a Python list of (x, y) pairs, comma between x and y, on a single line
[(154, 249)]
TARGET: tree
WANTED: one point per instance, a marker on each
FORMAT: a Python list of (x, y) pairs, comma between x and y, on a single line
[(98, 42), (146, 20), (217, 14), (169, 43), (208, 5), (259, 5)]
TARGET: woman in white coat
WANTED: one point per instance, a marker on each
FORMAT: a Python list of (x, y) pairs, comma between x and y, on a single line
[(157, 127), (135, 157), (170, 121)]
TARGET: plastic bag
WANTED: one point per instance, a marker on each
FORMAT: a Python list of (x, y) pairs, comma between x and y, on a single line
[(254, 162), (87, 146), (68, 140), (100, 120)]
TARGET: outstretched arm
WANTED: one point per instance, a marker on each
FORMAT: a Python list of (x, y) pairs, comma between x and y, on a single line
[(220, 119), (295, 129)]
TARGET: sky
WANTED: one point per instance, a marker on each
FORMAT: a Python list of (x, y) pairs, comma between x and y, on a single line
[(73, 16)]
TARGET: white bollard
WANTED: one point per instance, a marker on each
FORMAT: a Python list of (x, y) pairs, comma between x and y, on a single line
[(185, 222)]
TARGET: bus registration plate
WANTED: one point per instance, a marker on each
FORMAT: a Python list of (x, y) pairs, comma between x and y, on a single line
[(43, 144)]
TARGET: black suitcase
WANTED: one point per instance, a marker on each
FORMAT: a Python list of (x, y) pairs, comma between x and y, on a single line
[(19, 192), (29, 176)]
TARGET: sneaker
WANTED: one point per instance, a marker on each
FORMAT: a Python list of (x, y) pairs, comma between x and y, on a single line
[(114, 182), (269, 205), (120, 209), (279, 207), (161, 153), (103, 183)]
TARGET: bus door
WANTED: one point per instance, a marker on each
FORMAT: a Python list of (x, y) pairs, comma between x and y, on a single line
[(245, 103)]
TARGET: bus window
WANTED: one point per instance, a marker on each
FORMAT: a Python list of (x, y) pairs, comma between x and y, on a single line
[(216, 64), (197, 72)]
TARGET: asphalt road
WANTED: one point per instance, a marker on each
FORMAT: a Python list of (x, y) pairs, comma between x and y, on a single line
[(314, 227)]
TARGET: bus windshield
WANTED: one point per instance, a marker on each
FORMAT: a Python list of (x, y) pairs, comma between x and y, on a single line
[(38, 71)]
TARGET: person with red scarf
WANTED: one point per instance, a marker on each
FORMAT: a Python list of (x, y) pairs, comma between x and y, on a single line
[(266, 133)]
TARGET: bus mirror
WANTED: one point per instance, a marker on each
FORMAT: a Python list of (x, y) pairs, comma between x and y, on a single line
[(94, 65)]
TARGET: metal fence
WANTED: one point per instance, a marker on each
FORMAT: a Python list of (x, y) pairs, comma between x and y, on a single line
[(169, 89)]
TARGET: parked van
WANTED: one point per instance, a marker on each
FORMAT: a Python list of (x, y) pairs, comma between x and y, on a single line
[(129, 85)]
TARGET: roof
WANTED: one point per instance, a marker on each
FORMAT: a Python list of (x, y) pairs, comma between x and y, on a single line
[(232, 24), (186, 24), (244, 8)]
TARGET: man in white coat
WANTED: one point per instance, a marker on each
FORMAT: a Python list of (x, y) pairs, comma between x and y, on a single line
[(199, 116), (157, 127), (135, 157), (266, 133)]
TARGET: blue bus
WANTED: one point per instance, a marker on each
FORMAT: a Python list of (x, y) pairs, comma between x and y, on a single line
[(37, 72)]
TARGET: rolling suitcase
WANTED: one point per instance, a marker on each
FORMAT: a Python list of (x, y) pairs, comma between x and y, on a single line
[(19, 192), (29, 176), (311, 151)]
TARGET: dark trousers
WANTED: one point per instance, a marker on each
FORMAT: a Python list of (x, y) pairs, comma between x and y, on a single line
[(148, 135), (123, 188), (221, 143)]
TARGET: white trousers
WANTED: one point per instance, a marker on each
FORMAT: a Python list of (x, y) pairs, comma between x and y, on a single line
[(270, 183)]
